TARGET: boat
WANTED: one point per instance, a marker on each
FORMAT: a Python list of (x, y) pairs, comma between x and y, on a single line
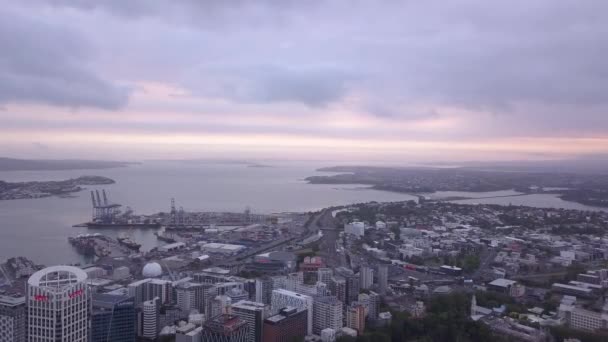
[(127, 242), (163, 237)]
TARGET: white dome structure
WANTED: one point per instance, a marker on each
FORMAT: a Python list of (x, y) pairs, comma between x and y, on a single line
[(152, 270)]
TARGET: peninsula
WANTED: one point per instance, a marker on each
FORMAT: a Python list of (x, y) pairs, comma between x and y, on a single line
[(39, 189)]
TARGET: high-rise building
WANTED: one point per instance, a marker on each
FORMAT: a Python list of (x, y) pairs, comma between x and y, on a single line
[(382, 278), (163, 289), (288, 325), (189, 296), (151, 318), (113, 318), (366, 275), (138, 290), (225, 328), (12, 319), (355, 317), (371, 302), (220, 305), (327, 313), (58, 304), (337, 286), (353, 286), (254, 314), (284, 298), (325, 274), (263, 290)]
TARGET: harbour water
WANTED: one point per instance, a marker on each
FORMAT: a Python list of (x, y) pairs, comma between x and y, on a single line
[(38, 228)]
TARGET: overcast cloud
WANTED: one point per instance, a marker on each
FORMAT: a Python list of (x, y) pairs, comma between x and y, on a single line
[(438, 71)]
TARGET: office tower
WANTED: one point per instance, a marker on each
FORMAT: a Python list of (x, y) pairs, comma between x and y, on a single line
[(293, 280), (151, 318), (288, 325), (284, 298), (189, 296), (366, 275), (220, 305), (263, 290), (249, 286), (382, 278), (12, 319), (138, 290), (373, 307), (355, 317), (327, 313), (279, 282), (49, 292), (337, 286), (163, 289), (113, 318), (225, 328), (325, 274), (352, 288), (254, 314)]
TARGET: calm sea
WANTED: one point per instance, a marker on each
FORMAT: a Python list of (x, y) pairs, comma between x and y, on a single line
[(39, 228)]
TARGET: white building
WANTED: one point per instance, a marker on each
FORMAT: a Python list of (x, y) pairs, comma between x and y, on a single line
[(189, 296), (284, 298), (325, 274), (328, 335), (151, 316), (327, 313), (579, 318), (355, 228), (58, 304)]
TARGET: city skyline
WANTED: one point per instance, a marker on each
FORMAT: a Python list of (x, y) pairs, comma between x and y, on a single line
[(339, 80)]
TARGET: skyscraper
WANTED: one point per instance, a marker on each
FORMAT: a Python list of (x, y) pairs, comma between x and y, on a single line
[(113, 318), (382, 278), (225, 328), (12, 319), (289, 324), (151, 318), (325, 274), (366, 275), (327, 313), (355, 317), (189, 296), (254, 314), (58, 304), (284, 298)]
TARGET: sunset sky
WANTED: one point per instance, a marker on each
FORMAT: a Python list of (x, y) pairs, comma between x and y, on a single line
[(340, 80)]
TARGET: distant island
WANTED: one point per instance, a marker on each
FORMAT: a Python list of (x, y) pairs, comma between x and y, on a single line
[(12, 164), (40, 189), (588, 189)]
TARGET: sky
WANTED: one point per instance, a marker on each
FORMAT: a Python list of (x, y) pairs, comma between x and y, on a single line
[(379, 80)]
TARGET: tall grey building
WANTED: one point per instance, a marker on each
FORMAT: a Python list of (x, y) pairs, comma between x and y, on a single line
[(366, 275), (113, 318), (382, 278), (254, 314), (12, 319)]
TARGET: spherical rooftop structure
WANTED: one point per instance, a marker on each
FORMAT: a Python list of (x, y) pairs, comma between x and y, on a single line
[(152, 270)]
